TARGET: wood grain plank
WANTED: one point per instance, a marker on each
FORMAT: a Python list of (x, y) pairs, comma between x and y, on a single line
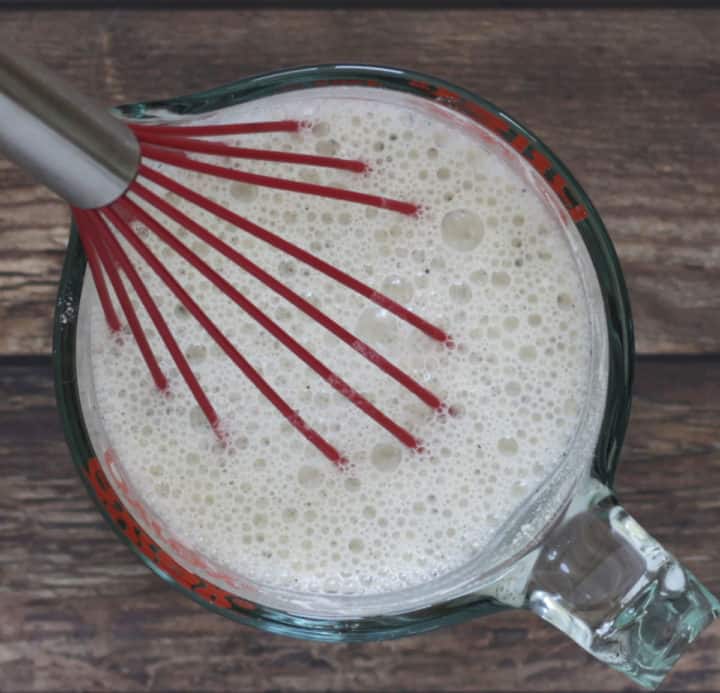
[(80, 612), (630, 100)]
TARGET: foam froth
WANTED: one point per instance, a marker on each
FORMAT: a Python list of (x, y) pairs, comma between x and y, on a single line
[(487, 259)]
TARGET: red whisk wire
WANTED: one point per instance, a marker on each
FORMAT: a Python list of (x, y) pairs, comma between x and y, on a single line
[(108, 259), (94, 236), (278, 287), (136, 212), (117, 214), (178, 159), (188, 144), (97, 273), (152, 310), (214, 130), (295, 251)]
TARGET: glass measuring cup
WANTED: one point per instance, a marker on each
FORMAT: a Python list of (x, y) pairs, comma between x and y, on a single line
[(586, 567)]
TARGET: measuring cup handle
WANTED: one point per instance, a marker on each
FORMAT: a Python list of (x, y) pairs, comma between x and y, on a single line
[(605, 582)]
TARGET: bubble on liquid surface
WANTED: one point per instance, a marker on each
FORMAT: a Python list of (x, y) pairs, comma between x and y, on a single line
[(327, 147), (321, 129), (460, 293), (501, 279), (508, 446), (513, 388), (309, 477), (353, 484), (198, 420), (243, 192), (356, 545), (398, 289), (386, 457), (511, 323), (479, 276), (565, 301), (196, 353), (377, 326), (534, 319), (462, 230), (527, 352)]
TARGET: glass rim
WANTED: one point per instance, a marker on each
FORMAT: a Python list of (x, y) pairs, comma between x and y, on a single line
[(560, 182)]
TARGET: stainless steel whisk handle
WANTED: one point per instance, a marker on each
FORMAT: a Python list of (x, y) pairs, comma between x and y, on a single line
[(69, 143)]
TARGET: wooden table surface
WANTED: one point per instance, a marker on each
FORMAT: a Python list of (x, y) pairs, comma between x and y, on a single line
[(629, 98)]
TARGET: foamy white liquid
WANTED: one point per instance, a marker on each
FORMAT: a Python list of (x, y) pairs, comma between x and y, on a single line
[(488, 260)]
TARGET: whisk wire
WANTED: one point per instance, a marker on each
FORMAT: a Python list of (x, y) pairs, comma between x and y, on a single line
[(216, 130), (110, 262), (170, 145), (178, 159), (190, 144), (117, 251), (97, 272), (281, 289), (117, 215), (295, 251), (133, 211)]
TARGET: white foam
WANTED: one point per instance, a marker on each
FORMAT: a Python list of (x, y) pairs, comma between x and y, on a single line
[(487, 259)]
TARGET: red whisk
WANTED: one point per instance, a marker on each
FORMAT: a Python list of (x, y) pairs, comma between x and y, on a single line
[(103, 173)]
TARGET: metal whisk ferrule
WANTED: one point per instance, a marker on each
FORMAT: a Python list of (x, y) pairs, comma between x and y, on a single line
[(75, 147)]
